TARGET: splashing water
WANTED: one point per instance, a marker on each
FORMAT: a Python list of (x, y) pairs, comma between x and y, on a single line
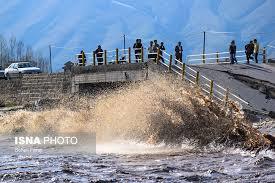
[(160, 110)]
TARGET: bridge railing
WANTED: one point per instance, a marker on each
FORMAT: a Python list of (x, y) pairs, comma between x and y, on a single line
[(208, 86), (102, 58), (112, 57), (271, 48), (221, 57), (214, 58)]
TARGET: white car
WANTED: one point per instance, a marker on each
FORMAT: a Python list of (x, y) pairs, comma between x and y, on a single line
[(17, 69)]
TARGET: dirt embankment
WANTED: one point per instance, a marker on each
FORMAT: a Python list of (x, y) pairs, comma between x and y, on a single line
[(9, 90)]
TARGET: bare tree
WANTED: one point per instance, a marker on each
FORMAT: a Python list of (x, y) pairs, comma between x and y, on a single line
[(4, 51), (29, 54), (42, 62), (12, 50), (19, 51), (12, 44)]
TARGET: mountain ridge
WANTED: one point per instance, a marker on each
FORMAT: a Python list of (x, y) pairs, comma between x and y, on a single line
[(85, 24)]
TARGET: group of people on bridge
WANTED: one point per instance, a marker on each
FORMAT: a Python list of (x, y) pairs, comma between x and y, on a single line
[(251, 48), (153, 50), (138, 47)]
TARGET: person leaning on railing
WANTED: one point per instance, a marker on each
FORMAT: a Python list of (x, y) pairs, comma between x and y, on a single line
[(99, 55)]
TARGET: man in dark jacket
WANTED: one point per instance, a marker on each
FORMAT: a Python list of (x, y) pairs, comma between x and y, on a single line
[(249, 49), (137, 47), (232, 51), (155, 48), (161, 48), (99, 55), (178, 52)]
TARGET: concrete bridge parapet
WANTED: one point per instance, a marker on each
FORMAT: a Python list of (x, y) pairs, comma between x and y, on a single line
[(108, 74)]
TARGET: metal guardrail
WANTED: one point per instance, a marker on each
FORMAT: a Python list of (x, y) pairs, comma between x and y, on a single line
[(220, 57), (111, 57), (215, 58), (208, 86)]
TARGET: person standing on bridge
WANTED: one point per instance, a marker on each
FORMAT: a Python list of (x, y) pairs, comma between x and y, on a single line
[(155, 49), (232, 51), (151, 51), (161, 49), (256, 50), (137, 47), (249, 48), (99, 55), (82, 58), (178, 52)]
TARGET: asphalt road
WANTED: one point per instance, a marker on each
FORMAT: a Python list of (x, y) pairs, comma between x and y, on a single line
[(227, 75)]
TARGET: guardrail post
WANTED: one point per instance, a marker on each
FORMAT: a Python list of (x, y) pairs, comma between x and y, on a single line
[(226, 96), (105, 57), (170, 63), (183, 71), (142, 54), (93, 58), (116, 55), (158, 55), (203, 58), (197, 77), (264, 55), (83, 61), (129, 55), (217, 56), (211, 88)]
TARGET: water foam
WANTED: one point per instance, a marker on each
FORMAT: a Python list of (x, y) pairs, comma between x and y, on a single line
[(156, 111)]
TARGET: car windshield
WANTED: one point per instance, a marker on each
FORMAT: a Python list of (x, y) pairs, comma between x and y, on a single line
[(24, 65)]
